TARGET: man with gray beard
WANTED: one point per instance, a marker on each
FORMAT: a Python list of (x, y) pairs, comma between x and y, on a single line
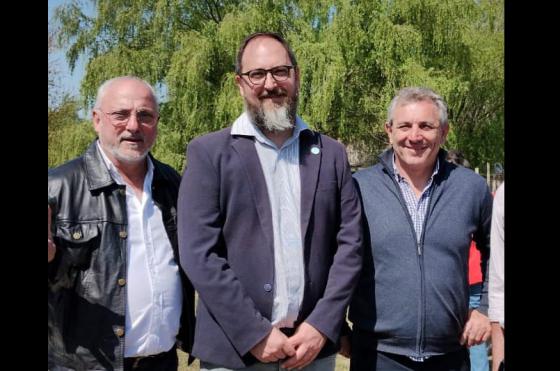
[(269, 227)]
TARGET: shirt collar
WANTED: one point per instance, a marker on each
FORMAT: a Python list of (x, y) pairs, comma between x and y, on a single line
[(401, 178)]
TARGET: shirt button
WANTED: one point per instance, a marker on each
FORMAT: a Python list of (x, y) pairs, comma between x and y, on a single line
[(267, 287), (122, 234), (119, 331), (121, 281)]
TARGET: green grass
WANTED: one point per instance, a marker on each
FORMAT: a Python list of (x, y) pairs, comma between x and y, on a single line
[(342, 364)]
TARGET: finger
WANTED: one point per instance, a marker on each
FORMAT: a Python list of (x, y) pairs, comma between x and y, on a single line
[(302, 357), (270, 358), (279, 354), (288, 348), (305, 361), (473, 340), (293, 361), (463, 339), (309, 358)]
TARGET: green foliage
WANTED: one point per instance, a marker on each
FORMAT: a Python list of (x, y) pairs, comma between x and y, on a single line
[(68, 135), (353, 57)]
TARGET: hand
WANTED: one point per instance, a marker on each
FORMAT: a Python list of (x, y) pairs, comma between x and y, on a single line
[(477, 329), (345, 346), (52, 246), (273, 347), (308, 342)]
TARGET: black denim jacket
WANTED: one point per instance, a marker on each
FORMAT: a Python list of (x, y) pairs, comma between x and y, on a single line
[(87, 278)]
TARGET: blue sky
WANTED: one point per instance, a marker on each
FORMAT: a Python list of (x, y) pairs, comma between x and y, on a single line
[(70, 81)]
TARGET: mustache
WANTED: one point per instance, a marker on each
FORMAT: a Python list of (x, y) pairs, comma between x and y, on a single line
[(132, 137), (276, 92)]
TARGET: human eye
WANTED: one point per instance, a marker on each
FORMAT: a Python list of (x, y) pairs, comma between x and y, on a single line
[(257, 74), (427, 126), (119, 115), (145, 116), (403, 126), (281, 71)]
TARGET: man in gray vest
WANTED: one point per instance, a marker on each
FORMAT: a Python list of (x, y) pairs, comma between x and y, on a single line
[(411, 308)]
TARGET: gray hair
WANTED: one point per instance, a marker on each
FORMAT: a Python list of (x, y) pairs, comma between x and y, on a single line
[(103, 88), (418, 94)]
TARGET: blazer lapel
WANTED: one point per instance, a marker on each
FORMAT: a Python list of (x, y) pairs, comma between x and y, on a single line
[(310, 155), (245, 148)]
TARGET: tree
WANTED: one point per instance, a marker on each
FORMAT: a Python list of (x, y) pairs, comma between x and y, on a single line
[(68, 136), (353, 55)]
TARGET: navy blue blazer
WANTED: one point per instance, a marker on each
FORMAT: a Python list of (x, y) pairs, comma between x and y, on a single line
[(226, 242)]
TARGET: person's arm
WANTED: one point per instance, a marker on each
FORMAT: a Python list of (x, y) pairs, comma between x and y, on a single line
[(496, 288), (497, 345), (52, 246), (199, 234), (329, 312), (496, 284)]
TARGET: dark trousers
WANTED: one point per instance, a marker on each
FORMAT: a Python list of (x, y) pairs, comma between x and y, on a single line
[(166, 361), (366, 357)]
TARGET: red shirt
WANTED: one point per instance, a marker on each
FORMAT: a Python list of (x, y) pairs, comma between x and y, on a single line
[(475, 274)]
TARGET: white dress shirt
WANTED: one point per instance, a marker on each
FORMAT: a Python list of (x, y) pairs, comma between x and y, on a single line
[(154, 294)]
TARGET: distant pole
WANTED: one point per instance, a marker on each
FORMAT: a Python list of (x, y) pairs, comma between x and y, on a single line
[(488, 180)]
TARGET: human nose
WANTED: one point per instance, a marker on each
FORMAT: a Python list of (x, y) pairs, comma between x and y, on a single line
[(415, 133), (133, 124), (269, 82)]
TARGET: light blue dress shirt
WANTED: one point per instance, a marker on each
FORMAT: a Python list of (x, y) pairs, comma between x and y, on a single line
[(281, 171)]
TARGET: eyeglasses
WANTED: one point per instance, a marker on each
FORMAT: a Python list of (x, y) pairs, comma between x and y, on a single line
[(119, 119), (258, 76)]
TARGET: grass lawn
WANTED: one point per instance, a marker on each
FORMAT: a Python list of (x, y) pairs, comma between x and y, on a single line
[(342, 364)]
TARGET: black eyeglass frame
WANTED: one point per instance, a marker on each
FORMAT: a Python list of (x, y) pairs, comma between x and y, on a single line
[(266, 72)]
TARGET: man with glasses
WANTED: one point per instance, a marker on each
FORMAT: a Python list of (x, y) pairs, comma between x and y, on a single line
[(118, 299), (269, 227)]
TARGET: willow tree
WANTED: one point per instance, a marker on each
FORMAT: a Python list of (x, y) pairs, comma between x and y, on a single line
[(353, 55)]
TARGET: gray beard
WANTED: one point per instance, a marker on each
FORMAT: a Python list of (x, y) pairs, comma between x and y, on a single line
[(277, 119)]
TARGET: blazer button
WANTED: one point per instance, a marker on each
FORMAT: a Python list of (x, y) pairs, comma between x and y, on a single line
[(122, 234), (121, 281), (119, 331), (77, 235), (267, 287)]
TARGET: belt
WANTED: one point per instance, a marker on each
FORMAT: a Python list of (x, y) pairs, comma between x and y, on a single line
[(133, 362)]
